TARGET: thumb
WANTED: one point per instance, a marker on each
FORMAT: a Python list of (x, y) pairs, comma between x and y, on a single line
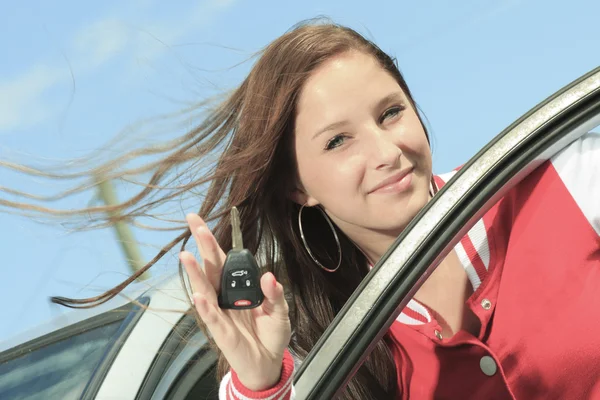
[(274, 303)]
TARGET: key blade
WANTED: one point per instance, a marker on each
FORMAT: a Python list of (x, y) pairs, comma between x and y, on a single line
[(236, 230)]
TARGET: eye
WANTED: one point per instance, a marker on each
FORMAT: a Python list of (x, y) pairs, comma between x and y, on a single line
[(335, 141), (391, 112)]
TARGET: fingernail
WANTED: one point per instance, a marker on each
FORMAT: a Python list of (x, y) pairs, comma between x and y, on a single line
[(274, 281)]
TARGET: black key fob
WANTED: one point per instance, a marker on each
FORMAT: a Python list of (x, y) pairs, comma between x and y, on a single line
[(240, 283)]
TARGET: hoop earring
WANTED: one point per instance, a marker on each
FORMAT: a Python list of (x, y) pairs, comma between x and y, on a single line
[(337, 240)]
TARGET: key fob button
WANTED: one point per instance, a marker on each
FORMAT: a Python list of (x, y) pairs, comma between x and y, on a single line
[(235, 283)]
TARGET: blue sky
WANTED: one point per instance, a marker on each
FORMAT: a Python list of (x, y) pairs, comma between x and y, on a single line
[(74, 74)]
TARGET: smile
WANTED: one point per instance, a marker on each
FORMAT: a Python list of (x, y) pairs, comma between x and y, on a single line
[(397, 183)]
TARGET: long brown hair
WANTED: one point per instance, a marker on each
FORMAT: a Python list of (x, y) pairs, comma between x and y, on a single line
[(252, 131)]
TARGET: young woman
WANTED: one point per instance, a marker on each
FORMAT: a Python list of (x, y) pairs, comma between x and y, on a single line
[(324, 130), (505, 315)]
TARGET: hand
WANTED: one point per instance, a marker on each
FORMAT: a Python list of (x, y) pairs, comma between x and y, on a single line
[(253, 341)]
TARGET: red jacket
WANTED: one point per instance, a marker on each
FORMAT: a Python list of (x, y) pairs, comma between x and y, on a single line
[(534, 263)]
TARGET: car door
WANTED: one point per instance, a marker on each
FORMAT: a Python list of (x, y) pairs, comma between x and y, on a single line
[(184, 368), (501, 164)]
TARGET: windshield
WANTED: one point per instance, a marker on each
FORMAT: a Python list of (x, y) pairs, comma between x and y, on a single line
[(60, 370)]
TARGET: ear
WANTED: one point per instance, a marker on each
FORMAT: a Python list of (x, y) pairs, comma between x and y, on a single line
[(300, 197)]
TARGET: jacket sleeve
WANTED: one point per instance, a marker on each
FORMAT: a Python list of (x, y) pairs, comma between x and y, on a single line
[(578, 166), (232, 389)]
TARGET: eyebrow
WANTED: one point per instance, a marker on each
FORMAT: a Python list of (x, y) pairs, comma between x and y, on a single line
[(396, 96)]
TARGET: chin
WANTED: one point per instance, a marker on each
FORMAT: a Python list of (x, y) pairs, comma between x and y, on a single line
[(400, 215)]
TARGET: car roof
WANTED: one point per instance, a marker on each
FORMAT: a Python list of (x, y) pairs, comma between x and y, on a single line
[(69, 317)]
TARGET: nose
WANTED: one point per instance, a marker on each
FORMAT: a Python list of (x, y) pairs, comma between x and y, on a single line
[(385, 153)]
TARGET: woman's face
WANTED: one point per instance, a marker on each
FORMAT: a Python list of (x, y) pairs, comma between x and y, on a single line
[(361, 150)]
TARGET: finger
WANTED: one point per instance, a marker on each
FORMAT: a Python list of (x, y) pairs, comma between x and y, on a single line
[(194, 221), (212, 255), (217, 323), (198, 279), (274, 303)]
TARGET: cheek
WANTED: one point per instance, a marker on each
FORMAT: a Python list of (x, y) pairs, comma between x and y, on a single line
[(413, 142), (331, 178)]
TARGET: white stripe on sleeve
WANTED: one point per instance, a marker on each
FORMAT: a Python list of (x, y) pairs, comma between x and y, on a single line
[(578, 165)]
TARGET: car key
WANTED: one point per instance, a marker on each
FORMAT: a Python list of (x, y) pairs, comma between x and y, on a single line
[(240, 282)]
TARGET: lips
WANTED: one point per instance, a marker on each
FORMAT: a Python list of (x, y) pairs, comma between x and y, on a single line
[(394, 179)]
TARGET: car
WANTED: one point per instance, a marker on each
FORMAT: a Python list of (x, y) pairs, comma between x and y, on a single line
[(144, 345), (149, 347)]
